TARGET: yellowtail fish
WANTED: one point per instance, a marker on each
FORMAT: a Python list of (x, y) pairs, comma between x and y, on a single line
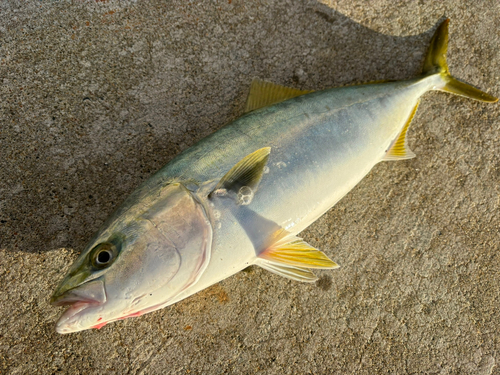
[(242, 195)]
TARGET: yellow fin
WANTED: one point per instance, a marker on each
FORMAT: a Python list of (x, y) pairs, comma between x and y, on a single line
[(435, 63), (435, 60), (290, 272), (297, 253), (399, 150), (263, 94), (246, 173), (454, 86)]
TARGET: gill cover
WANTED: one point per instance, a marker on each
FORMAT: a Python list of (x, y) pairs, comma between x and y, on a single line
[(186, 235)]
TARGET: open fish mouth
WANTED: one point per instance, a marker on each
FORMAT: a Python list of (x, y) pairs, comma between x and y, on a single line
[(79, 299)]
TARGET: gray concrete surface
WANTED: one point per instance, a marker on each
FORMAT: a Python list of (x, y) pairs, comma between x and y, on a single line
[(97, 95)]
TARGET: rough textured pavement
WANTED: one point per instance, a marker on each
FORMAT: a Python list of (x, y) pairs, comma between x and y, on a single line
[(96, 96)]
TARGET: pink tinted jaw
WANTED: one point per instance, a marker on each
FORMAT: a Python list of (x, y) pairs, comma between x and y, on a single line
[(133, 315), (91, 295), (68, 322)]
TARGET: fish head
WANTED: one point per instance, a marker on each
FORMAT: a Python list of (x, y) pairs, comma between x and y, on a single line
[(141, 260)]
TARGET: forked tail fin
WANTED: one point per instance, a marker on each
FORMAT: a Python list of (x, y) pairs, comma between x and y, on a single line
[(435, 63)]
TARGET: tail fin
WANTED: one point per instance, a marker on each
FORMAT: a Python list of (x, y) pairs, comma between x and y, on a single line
[(435, 63)]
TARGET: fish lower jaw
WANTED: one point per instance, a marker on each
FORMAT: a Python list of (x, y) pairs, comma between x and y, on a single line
[(69, 321)]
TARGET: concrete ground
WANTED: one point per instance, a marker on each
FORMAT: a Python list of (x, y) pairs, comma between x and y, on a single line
[(95, 96)]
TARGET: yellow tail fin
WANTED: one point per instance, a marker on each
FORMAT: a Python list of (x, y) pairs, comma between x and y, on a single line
[(435, 63)]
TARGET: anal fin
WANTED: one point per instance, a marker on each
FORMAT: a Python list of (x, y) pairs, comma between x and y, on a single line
[(399, 149)]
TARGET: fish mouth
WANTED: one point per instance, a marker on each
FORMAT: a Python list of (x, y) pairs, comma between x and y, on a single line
[(79, 299), (69, 322)]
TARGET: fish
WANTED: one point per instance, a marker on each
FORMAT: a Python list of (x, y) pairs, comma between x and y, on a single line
[(242, 195)]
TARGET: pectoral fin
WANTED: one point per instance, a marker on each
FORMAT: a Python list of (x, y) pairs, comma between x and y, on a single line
[(243, 179), (263, 94)]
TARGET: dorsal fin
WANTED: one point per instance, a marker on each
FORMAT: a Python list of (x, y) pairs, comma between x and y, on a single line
[(263, 94), (399, 150), (243, 179)]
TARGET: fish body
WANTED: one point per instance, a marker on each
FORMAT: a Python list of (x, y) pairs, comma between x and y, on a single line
[(322, 144), (243, 194)]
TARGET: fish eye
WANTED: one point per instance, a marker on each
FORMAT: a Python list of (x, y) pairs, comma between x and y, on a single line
[(103, 255)]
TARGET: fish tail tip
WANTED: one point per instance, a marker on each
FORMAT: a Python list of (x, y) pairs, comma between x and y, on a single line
[(435, 63)]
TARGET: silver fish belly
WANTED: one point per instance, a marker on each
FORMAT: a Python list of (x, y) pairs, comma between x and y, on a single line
[(242, 195)]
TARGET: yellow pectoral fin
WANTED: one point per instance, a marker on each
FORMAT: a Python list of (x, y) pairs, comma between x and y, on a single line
[(263, 94), (399, 149), (247, 173)]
